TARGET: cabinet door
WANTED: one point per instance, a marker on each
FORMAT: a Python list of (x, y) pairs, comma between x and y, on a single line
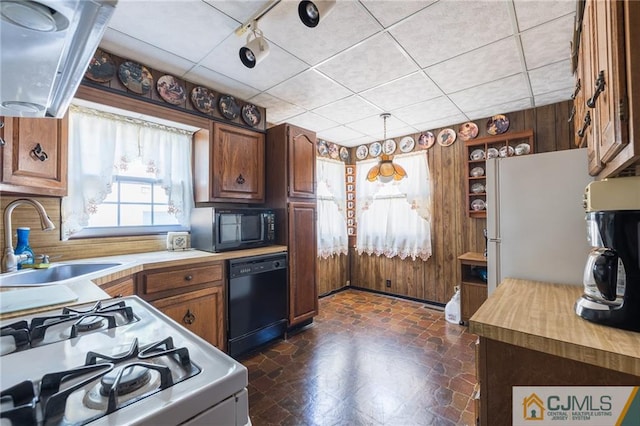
[(35, 156), (608, 66), (303, 291), (199, 311), (237, 163), (302, 163), (120, 287)]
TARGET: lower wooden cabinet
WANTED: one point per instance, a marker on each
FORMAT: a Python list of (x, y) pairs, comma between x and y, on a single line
[(192, 295), (303, 289), (473, 289)]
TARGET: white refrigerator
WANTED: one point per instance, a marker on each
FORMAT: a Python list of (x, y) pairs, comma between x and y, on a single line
[(536, 225)]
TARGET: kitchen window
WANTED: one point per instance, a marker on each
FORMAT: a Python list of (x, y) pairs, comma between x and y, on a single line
[(127, 176), (332, 222), (394, 218)]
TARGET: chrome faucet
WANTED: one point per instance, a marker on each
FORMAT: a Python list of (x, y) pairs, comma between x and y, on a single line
[(10, 259)]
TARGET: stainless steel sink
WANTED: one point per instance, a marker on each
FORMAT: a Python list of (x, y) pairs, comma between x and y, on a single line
[(54, 274)]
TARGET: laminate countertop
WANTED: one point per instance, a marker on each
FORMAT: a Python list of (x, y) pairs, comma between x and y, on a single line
[(88, 288), (540, 316)]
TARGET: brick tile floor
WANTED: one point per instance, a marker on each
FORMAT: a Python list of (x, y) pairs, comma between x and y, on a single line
[(367, 359)]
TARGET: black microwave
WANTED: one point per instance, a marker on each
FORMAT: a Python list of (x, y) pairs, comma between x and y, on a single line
[(216, 230)]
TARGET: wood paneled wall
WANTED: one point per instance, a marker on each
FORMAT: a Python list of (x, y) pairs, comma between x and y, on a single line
[(452, 232)]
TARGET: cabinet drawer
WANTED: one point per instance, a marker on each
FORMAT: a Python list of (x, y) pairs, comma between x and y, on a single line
[(120, 288), (170, 280)]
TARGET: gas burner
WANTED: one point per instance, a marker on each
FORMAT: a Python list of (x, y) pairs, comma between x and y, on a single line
[(68, 324), (105, 384)]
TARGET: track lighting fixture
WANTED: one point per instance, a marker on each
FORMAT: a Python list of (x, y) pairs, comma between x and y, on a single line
[(311, 12), (256, 49)]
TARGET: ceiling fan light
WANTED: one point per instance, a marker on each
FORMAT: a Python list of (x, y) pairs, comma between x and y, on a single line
[(311, 12)]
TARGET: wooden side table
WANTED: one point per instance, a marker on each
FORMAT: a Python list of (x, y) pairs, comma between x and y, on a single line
[(473, 290)]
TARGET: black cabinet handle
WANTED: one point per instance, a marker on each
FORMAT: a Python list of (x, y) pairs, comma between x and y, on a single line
[(188, 277), (586, 123), (573, 114), (600, 83), (240, 180), (576, 90), (189, 318), (39, 153)]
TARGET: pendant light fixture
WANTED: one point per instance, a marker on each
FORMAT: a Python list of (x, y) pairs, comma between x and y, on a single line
[(386, 170)]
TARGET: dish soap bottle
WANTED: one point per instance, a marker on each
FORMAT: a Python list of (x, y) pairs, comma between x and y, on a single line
[(22, 247)]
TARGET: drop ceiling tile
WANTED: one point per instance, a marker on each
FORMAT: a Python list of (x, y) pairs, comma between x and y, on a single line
[(310, 90), (425, 111), (241, 11), (128, 47), (374, 126), (495, 93), (220, 83), (363, 140), (201, 26), (541, 83), (276, 67), (531, 13), (390, 12), (450, 28), (362, 67), (554, 97), (515, 105), (277, 109), (339, 135), (407, 90), (548, 43), (348, 24), (311, 121), (401, 131), (443, 122), (353, 107), (492, 62)]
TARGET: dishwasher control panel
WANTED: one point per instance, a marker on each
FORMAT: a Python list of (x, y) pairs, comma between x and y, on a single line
[(257, 264)]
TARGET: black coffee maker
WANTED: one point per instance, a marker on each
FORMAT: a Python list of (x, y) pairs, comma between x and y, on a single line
[(612, 273)]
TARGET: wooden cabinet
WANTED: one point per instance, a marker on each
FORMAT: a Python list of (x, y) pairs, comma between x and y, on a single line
[(473, 289), (121, 287), (291, 192), (34, 157), (477, 151), (193, 296), (228, 165), (607, 58)]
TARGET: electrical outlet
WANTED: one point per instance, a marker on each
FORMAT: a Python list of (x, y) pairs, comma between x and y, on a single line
[(388, 283)]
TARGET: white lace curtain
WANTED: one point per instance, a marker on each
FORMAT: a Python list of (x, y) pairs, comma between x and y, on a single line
[(332, 221), (101, 144), (394, 219)]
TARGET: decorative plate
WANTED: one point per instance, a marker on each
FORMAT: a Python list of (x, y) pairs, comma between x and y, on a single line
[(523, 149), (389, 146), (506, 151), (101, 68), (203, 99), (171, 90), (323, 149), (361, 152), (407, 144), (477, 204), (468, 131), (497, 124), (477, 172), (426, 140), (333, 151), (446, 137), (135, 77), (251, 115), (477, 188), (476, 154), (344, 154), (375, 149), (493, 153), (228, 107)]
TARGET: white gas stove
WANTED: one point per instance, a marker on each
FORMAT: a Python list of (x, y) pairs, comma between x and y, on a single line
[(116, 362)]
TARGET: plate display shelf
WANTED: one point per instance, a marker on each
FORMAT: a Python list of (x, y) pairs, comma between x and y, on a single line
[(507, 140)]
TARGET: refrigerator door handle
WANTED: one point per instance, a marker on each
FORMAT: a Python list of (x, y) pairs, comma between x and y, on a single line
[(494, 240)]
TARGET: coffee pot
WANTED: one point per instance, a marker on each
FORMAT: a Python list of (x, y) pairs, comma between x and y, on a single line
[(612, 272)]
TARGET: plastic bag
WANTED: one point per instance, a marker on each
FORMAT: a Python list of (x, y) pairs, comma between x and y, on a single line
[(452, 308)]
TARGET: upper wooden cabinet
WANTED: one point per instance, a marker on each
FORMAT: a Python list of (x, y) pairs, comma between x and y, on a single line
[(34, 156), (228, 165), (605, 117)]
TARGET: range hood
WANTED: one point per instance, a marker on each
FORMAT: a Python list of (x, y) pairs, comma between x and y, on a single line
[(46, 47)]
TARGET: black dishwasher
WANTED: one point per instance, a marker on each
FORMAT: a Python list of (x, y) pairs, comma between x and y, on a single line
[(256, 301)]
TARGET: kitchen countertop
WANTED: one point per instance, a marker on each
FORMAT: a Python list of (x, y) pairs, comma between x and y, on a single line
[(540, 316), (88, 290)]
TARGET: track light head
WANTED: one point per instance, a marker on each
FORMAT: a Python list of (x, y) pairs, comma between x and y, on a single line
[(254, 51), (311, 12)]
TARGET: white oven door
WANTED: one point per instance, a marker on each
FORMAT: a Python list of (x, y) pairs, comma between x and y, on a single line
[(231, 411)]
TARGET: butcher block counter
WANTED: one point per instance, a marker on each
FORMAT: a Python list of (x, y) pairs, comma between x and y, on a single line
[(530, 335), (87, 289)]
